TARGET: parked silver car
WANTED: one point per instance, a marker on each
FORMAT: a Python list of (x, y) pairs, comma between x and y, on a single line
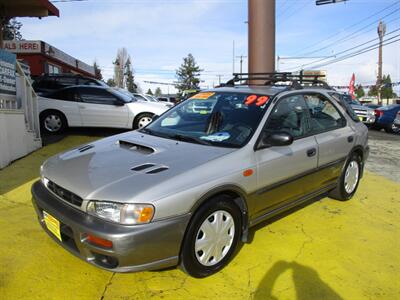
[(186, 188)]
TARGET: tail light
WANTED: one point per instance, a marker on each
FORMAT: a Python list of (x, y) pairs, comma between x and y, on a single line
[(378, 113)]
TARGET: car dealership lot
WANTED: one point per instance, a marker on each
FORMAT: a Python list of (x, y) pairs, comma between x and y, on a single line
[(326, 250)]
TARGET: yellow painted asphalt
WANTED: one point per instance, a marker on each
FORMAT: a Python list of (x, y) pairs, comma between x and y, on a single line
[(326, 250)]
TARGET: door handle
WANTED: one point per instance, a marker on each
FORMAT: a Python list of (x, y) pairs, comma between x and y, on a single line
[(311, 152), (350, 139), (81, 106)]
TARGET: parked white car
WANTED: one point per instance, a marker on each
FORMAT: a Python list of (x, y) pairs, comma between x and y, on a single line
[(94, 106)]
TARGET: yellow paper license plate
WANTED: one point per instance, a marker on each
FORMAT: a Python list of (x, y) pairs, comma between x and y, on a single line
[(52, 224), (361, 119)]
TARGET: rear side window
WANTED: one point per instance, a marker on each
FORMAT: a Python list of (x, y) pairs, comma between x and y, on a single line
[(97, 96), (65, 95), (290, 116), (323, 114), (346, 105)]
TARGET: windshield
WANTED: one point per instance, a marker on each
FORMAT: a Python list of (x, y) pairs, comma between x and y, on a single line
[(212, 118), (150, 98)]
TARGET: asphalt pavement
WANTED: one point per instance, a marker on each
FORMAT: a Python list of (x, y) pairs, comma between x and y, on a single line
[(384, 157)]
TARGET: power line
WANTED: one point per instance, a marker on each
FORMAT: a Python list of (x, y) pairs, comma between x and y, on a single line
[(361, 51), (347, 50), (351, 26), (351, 35)]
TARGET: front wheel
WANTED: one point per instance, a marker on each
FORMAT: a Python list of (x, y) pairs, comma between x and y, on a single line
[(53, 122), (211, 238), (143, 120), (393, 128), (348, 180)]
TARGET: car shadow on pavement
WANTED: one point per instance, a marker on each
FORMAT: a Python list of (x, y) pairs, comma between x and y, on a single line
[(307, 283)]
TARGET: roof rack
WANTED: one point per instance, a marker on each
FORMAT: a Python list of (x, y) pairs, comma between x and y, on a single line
[(296, 81)]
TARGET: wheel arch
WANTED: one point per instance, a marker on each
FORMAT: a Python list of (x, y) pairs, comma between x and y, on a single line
[(42, 113), (234, 194), (136, 118), (360, 151)]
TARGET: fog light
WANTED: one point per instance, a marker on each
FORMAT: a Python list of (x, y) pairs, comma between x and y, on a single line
[(95, 240)]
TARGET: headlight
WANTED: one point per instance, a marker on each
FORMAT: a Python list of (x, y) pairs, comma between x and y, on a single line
[(371, 112), (122, 213)]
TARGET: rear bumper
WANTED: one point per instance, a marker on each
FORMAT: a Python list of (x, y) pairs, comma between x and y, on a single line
[(135, 248)]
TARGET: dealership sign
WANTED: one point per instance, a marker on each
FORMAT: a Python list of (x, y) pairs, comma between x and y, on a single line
[(7, 73), (23, 46)]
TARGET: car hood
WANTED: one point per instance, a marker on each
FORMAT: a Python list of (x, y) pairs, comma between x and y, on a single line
[(120, 167), (360, 107)]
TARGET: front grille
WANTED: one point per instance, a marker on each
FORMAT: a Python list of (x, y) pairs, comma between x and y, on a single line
[(64, 194), (360, 112)]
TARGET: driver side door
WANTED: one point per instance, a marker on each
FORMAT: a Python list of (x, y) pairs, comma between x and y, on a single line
[(283, 170)]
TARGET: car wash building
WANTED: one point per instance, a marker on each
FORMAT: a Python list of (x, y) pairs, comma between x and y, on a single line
[(44, 58)]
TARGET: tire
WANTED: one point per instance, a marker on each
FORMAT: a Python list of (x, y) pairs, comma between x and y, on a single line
[(348, 180), (392, 128), (53, 122), (142, 120), (198, 263)]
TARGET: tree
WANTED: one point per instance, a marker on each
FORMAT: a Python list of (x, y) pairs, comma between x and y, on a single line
[(149, 92), (119, 67), (373, 91), (111, 82), (130, 84), (359, 91), (97, 71), (11, 29), (387, 88), (158, 92), (188, 74)]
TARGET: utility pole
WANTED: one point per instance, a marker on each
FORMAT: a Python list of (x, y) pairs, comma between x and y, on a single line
[(241, 62), (261, 36), (233, 57), (381, 33)]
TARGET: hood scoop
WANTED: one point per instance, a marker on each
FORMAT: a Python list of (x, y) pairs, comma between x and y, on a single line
[(85, 148), (135, 147), (150, 168)]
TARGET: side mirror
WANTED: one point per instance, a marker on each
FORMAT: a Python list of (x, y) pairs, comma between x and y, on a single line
[(275, 139)]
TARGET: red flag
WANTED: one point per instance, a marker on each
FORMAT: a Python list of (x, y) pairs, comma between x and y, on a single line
[(351, 86)]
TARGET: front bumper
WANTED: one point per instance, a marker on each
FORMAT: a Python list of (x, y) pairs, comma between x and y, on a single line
[(135, 248)]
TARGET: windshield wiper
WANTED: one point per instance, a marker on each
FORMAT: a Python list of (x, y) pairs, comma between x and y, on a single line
[(185, 138)]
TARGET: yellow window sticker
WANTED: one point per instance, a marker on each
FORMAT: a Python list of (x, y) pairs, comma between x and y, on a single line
[(202, 96)]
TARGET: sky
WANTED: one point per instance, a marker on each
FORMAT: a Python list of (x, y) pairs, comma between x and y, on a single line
[(159, 33)]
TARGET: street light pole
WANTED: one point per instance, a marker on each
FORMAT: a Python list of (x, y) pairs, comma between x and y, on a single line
[(261, 36), (241, 62)]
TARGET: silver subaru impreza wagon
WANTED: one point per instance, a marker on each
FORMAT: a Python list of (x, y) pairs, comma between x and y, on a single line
[(186, 189)]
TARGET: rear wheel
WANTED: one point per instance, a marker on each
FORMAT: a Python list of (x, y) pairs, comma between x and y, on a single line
[(143, 120), (53, 122), (348, 180), (392, 128), (211, 238)]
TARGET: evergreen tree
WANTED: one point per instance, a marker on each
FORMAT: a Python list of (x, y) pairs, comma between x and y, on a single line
[(387, 88), (149, 92), (97, 71), (359, 91), (12, 28), (158, 92), (130, 84), (188, 74), (373, 91)]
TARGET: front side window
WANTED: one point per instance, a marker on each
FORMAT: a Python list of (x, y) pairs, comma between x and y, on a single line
[(215, 118), (289, 116), (323, 114), (97, 96), (63, 94)]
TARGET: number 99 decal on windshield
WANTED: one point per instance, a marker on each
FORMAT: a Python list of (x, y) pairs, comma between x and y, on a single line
[(257, 100)]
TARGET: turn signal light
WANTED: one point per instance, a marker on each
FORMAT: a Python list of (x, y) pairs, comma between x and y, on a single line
[(95, 240)]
